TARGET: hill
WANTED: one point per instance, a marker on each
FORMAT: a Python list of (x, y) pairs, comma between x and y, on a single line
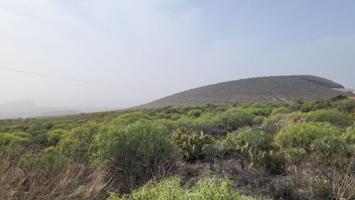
[(273, 88)]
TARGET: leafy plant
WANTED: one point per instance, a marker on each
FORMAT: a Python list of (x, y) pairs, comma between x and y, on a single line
[(171, 189), (334, 117), (321, 141), (76, 145), (140, 151)]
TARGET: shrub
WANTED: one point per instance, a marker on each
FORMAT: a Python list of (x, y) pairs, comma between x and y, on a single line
[(50, 138), (281, 110), (233, 119), (171, 189), (13, 138), (258, 120), (76, 145), (194, 113), (349, 135), (346, 105), (322, 141), (129, 118), (331, 116), (219, 123), (275, 123), (140, 151)]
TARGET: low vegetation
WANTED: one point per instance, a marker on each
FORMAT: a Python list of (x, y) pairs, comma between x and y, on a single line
[(290, 150)]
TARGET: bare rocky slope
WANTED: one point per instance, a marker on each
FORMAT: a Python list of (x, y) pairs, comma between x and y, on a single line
[(273, 88)]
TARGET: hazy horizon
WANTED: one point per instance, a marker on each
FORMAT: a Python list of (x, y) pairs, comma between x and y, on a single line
[(117, 54)]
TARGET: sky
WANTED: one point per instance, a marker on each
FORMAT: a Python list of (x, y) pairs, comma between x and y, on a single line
[(124, 53)]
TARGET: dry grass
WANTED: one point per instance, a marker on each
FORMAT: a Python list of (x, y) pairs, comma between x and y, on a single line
[(75, 182)]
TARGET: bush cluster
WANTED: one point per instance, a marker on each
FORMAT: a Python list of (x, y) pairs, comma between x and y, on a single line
[(312, 142)]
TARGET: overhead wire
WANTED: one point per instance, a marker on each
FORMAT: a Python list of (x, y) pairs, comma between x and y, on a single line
[(77, 80)]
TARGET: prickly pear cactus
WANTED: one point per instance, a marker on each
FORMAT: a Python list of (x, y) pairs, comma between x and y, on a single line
[(191, 144)]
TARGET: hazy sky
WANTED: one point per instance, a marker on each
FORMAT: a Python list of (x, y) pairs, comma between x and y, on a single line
[(157, 47)]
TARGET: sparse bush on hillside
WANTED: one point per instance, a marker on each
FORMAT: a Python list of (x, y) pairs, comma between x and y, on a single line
[(140, 151)]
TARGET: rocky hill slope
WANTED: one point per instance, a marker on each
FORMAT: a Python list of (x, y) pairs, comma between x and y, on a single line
[(273, 88)]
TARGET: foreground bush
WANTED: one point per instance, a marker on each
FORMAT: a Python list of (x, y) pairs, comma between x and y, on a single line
[(140, 151), (171, 189)]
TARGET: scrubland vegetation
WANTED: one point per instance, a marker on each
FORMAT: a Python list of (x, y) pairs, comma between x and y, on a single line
[(292, 150)]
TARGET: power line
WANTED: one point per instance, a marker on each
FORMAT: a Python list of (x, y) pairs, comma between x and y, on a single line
[(76, 80)]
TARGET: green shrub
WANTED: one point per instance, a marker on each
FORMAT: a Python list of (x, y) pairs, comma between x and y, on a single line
[(171, 189), (349, 135), (233, 119), (76, 144), (281, 110), (258, 120), (331, 116), (194, 113), (16, 138), (322, 141), (130, 118), (346, 105), (140, 151), (274, 123), (218, 123), (50, 138)]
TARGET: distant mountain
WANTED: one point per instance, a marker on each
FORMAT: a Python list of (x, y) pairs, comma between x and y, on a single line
[(273, 88), (25, 109)]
